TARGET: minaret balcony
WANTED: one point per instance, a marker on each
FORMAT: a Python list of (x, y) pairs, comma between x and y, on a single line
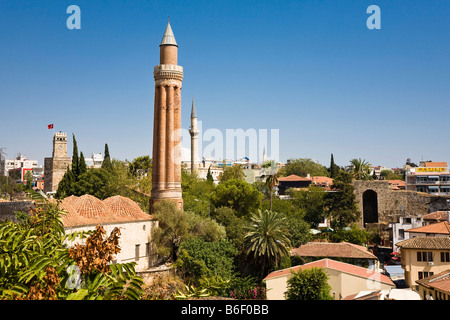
[(168, 71)]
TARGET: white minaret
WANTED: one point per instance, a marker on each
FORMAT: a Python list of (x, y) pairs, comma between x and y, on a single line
[(264, 159), (194, 139)]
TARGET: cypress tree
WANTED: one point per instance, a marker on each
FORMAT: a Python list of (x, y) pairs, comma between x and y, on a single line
[(82, 164), (209, 176), (106, 164), (75, 160), (334, 169)]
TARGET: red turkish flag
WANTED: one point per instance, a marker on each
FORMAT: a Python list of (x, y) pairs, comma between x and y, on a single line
[(50, 126)]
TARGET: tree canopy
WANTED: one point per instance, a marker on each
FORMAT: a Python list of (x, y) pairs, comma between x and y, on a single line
[(239, 195), (308, 284), (36, 264), (304, 166)]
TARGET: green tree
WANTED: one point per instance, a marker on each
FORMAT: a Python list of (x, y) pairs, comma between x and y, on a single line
[(299, 230), (173, 228), (75, 160), (239, 195), (304, 166), (199, 258), (308, 284), (267, 238), (106, 164), (341, 205), (206, 228), (352, 235), (312, 202), (96, 182), (360, 169), (141, 164), (234, 172), (29, 180), (37, 264), (209, 176), (234, 226), (196, 194), (333, 169), (8, 186), (389, 175), (82, 164)]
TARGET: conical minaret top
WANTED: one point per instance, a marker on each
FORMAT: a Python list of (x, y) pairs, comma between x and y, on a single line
[(193, 113), (168, 49), (168, 37)]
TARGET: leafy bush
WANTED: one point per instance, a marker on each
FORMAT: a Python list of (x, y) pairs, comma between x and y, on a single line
[(199, 258), (308, 284), (36, 263)]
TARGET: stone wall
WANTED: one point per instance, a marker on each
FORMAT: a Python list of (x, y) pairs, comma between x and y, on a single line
[(393, 204), (8, 209)]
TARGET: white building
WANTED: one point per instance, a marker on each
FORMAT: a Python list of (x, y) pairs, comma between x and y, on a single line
[(95, 161), (86, 212), (399, 229), (19, 162), (429, 177)]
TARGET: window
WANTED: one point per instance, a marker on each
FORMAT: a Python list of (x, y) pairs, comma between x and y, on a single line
[(445, 256), (424, 256), (147, 249), (401, 233), (136, 252), (425, 274)]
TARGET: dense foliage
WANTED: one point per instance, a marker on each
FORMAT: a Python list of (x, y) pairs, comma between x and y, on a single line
[(36, 262), (308, 284), (304, 166), (239, 195)]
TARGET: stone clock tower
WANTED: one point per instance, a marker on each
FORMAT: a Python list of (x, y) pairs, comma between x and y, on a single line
[(56, 166), (166, 173)]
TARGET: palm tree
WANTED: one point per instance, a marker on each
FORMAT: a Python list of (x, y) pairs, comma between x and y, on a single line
[(360, 169), (267, 238), (270, 173)]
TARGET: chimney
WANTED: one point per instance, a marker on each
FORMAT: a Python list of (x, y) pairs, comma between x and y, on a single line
[(308, 176)]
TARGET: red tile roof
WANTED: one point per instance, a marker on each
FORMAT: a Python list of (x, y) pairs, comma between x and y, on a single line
[(335, 265), (330, 249), (293, 177), (320, 179), (367, 296), (89, 210), (439, 227), (438, 243), (440, 281), (437, 215)]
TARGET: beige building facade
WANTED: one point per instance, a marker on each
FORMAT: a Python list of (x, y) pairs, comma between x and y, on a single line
[(345, 279), (422, 257)]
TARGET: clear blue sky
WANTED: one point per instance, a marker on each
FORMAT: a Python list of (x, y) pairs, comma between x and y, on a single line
[(311, 69)]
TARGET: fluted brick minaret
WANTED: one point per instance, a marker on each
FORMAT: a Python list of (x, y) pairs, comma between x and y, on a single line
[(166, 173)]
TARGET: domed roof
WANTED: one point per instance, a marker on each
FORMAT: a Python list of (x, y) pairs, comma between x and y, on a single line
[(70, 216), (90, 206), (124, 207), (88, 210), (70, 200)]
